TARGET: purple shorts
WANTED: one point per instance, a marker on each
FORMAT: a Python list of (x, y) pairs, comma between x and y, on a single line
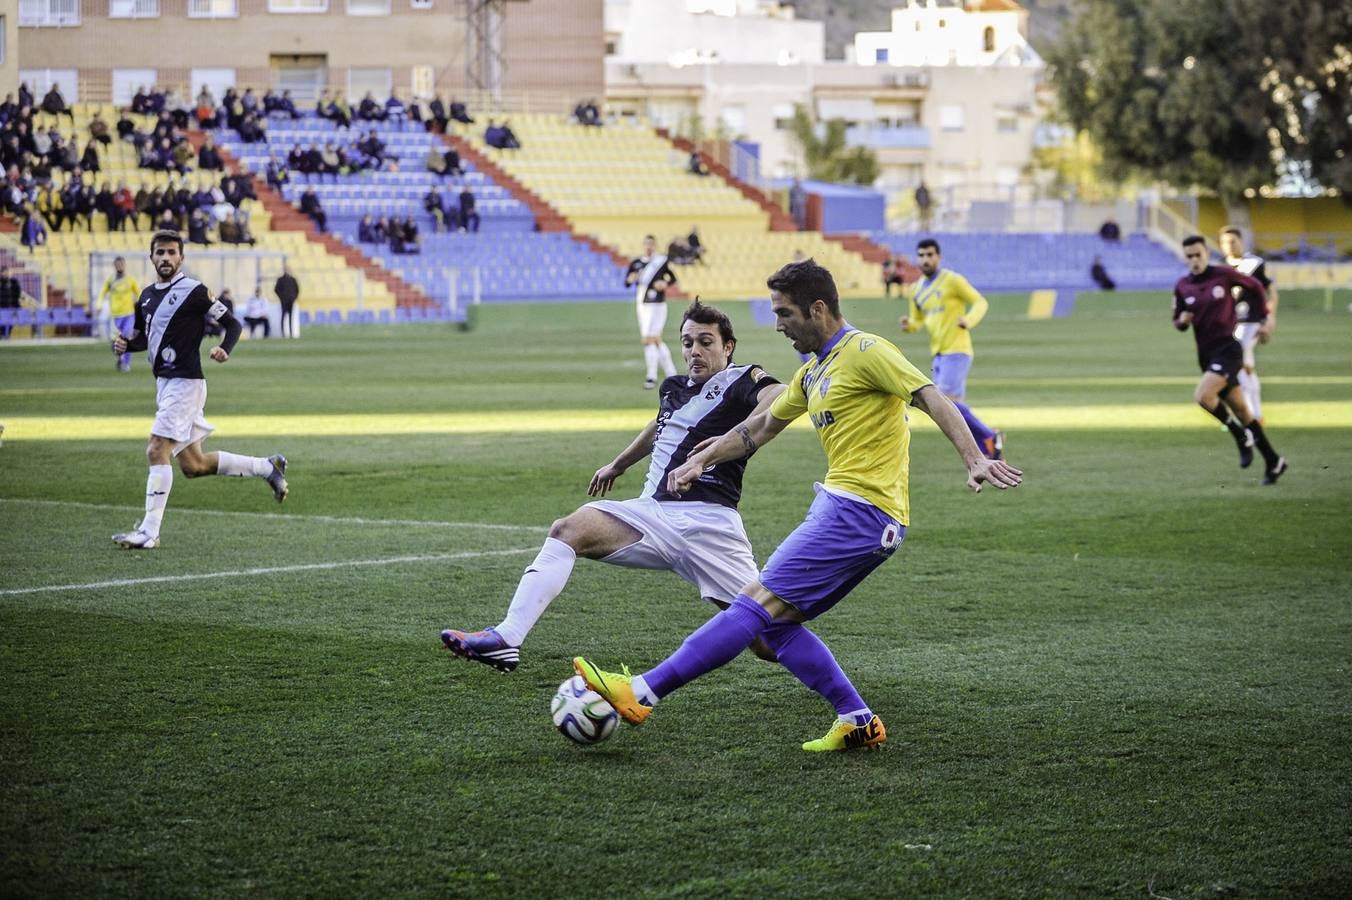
[(838, 544), (950, 373)]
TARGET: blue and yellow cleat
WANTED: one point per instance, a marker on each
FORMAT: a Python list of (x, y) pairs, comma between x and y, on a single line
[(616, 690), (844, 736), (487, 647)]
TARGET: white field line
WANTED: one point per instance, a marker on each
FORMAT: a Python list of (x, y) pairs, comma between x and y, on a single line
[(328, 520), (267, 570)]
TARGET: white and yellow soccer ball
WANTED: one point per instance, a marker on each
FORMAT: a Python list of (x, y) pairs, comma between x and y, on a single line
[(580, 714)]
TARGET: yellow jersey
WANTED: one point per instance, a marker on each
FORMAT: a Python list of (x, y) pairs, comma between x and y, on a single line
[(937, 303), (856, 390), (122, 294)]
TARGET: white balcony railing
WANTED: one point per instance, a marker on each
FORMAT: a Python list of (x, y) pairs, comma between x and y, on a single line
[(48, 13)]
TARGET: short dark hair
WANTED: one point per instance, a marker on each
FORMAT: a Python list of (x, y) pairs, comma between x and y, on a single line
[(710, 315), (804, 283), (1194, 239), (929, 242), (1230, 229), (166, 236), (650, 237)]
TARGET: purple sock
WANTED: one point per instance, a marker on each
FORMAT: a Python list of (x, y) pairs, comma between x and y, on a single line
[(716, 642), (979, 429), (803, 653)]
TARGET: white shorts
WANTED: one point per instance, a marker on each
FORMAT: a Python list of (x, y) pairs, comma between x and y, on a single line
[(180, 403), (652, 317), (1247, 335), (704, 543)]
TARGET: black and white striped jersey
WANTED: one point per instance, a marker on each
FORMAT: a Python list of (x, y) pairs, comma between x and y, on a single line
[(1256, 268), (171, 320), (689, 413), (650, 270)]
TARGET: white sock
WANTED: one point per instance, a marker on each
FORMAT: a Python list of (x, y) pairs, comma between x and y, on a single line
[(650, 359), (543, 580), (642, 692), (158, 483), (858, 717), (1252, 388), (668, 367), (242, 466)]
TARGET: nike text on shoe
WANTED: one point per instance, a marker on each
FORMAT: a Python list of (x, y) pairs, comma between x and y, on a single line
[(136, 540), (1272, 474), (616, 690), (485, 647), (1246, 450), (847, 736), (277, 479)]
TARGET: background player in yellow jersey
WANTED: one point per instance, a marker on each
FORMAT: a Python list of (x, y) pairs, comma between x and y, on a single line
[(948, 307), (855, 389), (120, 292)]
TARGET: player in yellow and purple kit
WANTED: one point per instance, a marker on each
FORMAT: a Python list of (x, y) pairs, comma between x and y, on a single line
[(855, 389), (947, 306)]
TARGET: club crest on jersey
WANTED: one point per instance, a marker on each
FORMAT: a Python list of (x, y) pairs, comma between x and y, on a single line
[(1218, 292), (168, 355), (824, 386), (865, 343), (717, 389)]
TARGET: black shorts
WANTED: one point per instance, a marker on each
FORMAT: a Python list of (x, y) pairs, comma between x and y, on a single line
[(1225, 360)]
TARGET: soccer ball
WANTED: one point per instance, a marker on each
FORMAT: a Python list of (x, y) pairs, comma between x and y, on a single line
[(580, 714)]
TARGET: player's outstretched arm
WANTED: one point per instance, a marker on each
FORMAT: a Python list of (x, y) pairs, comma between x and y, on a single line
[(639, 447), (934, 404), (742, 440)]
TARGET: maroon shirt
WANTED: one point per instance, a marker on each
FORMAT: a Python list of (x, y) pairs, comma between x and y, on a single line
[(1210, 297)]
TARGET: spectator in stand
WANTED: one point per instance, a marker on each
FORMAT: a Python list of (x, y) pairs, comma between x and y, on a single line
[(696, 165), (50, 207), (310, 205), (280, 106), (53, 104), (177, 108), (340, 111), (271, 103), (586, 113), (404, 236), (382, 230), (140, 101), (124, 209), (198, 223), (251, 130), (373, 148), (183, 155), (256, 313), (437, 118), (452, 159), (436, 162), (32, 233), (147, 204), (288, 106), (103, 203), (249, 102), (394, 109), (469, 216), (235, 230), (89, 161), (209, 158), (460, 114), (332, 161), (206, 109), (1110, 231), (297, 158), (366, 231), (924, 204), (370, 110), (436, 208), (277, 174), (157, 101), (166, 220), (11, 297), (894, 271), (126, 128), (1100, 275), (509, 138), (288, 292), (324, 106), (695, 245), (98, 130)]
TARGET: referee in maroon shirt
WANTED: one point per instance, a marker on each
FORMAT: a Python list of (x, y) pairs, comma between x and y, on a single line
[(1205, 300)]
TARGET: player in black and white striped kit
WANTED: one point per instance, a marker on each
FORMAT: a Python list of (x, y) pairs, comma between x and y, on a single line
[(650, 275), (171, 319), (698, 534)]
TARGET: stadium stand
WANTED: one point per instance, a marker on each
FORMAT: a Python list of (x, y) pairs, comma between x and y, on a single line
[(514, 261)]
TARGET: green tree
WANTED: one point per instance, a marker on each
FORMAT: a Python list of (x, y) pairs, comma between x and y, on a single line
[(827, 156), (1224, 95)]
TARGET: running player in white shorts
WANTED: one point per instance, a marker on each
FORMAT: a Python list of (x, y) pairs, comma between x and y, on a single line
[(170, 321), (698, 534), (1250, 331), (650, 276)]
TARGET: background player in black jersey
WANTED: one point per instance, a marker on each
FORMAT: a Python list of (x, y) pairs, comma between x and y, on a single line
[(171, 319), (1204, 300), (1251, 329), (650, 276), (698, 535)]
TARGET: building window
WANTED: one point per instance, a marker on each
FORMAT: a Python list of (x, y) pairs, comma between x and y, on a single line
[(783, 115), (424, 81), (1007, 124), (40, 81), (988, 39), (298, 6), (133, 9), (880, 55), (33, 13), (368, 7), (126, 82), (951, 118), (420, 4), (376, 82), (4, 23), (213, 9)]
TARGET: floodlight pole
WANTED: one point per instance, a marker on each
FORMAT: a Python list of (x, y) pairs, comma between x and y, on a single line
[(484, 63)]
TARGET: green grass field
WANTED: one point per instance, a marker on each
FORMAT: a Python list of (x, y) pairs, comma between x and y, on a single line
[(1128, 677)]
